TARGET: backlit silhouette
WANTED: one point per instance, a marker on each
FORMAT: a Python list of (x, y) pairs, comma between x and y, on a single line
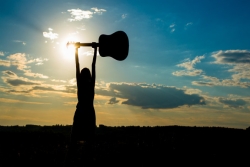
[(116, 46)]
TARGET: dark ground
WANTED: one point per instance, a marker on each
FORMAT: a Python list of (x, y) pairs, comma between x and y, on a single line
[(127, 146)]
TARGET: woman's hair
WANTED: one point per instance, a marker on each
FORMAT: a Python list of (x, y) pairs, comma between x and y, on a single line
[(85, 74)]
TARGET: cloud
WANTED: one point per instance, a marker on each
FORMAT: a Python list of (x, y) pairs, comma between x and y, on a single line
[(24, 86), (4, 63), (20, 60), (113, 101), (12, 79), (35, 75), (233, 103), (172, 27), (78, 14), (98, 11), (9, 73), (189, 66), (213, 81), (56, 80), (4, 100), (124, 16), (189, 24), (238, 59), (19, 81), (1, 53), (187, 73), (50, 34), (38, 61), (241, 71), (151, 96), (18, 41), (238, 62), (232, 57)]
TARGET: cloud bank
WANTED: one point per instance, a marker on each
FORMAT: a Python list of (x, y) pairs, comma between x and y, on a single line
[(20, 61), (233, 103), (238, 62), (151, 96)]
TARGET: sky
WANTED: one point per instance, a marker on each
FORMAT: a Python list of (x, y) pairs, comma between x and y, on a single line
[(188, 62)]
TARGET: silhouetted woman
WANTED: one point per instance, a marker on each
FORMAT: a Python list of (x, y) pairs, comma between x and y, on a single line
[(84, 122), (84, 119)]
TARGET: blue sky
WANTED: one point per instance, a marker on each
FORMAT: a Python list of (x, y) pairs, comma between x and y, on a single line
[(188, 62)]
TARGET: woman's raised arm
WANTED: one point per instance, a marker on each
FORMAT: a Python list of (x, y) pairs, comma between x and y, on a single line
[(93, 66), (77, 68)]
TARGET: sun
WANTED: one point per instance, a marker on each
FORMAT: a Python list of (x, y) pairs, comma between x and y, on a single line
[(68, 51)]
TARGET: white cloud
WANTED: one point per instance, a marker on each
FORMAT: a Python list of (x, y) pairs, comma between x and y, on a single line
[(50, 34), (56, 80), (238, 62), (213, 81), (98, 11), (78, 14), (172, 26), (4, 63), (20, 61), (189, 66), (38, 61), (187, 73), (124, 16), (1, 53), (189, 24), (35, 75)]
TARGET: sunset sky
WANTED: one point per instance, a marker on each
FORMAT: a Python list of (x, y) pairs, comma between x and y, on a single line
[(188, 62)]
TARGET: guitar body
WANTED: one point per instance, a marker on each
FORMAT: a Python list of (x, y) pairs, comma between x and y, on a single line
[(115, 45)]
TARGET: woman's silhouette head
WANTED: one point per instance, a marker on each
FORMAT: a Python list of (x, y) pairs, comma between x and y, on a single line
[(85, 75)]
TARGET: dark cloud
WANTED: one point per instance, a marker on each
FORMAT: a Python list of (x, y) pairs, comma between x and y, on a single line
[(238, 103), (153, 96), (105, 92), (19, 92), (113, 101), (201, 83), (232, 56), (10, 73), (18, 82), (43, 88)]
